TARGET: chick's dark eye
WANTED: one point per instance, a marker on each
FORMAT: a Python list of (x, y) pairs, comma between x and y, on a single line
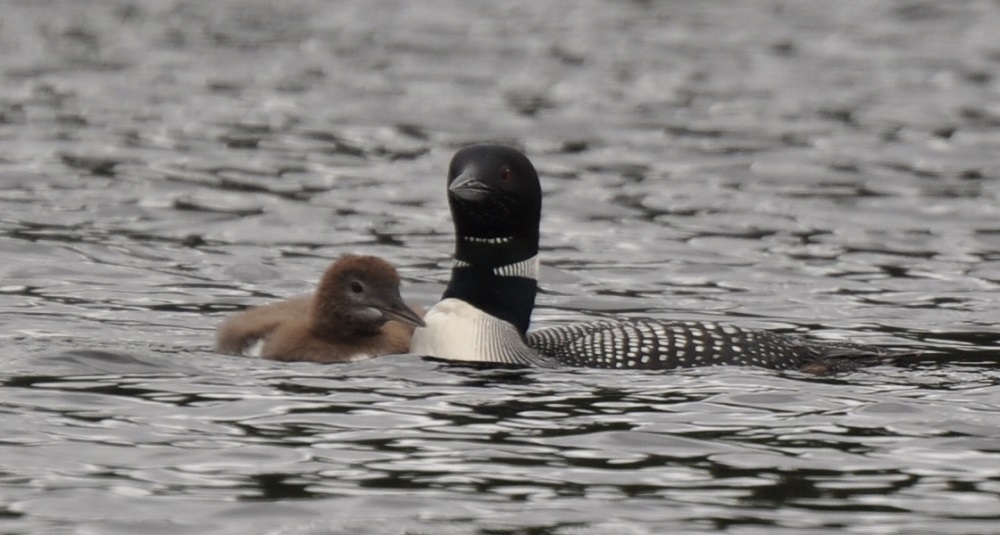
[(356, 287), (506, 175)]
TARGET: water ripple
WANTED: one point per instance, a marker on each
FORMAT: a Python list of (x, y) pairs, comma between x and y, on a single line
[(820, 168)]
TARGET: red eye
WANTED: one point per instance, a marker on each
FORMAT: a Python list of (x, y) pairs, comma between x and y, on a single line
[(506, 175)]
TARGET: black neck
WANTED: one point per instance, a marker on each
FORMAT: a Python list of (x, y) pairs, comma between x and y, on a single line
[(508, 298)]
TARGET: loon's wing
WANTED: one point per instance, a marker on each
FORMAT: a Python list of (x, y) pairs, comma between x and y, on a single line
[(838, 357)]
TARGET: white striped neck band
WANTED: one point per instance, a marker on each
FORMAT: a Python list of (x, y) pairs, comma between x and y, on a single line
[(525, 268), (492, 241)]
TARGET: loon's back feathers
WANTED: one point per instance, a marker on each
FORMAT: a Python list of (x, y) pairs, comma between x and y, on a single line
[(647, 344), (495, 200), (651, 344)]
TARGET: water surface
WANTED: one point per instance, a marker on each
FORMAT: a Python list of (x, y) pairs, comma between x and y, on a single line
[(827, 168)]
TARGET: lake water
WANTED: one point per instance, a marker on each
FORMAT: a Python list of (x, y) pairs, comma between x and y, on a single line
[(827, 168)]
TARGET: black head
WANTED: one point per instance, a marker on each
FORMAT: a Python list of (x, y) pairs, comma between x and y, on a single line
[(496, 205)]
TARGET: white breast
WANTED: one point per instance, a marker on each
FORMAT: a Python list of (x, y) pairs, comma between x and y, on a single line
[(457, 330), (453, 331)]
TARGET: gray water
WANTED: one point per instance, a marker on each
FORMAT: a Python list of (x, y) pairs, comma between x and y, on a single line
[(827, 168)]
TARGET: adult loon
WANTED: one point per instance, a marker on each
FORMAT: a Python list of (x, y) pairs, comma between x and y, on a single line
[(347, 319), (496, 200)]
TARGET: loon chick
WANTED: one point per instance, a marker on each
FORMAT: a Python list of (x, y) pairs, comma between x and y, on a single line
[(495, 200), (348, 318)]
